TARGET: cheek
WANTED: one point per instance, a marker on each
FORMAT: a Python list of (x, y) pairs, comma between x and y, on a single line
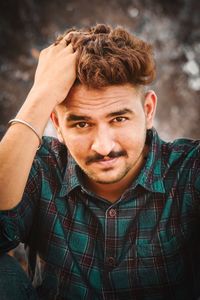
[(133, 141), (77, 145), (134, 135)]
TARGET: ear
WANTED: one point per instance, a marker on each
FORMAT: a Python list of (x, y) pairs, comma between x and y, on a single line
[(150, 107), (55, 121)]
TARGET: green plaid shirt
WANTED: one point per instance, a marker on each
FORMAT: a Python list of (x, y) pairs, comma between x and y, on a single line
[(145, 246)]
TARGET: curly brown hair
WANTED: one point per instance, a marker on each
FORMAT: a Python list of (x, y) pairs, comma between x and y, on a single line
[(111, 56)]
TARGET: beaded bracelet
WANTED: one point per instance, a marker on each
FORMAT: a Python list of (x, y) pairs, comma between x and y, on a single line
[(14, 121)]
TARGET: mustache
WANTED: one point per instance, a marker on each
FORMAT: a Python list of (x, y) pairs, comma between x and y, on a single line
[(99, 157)]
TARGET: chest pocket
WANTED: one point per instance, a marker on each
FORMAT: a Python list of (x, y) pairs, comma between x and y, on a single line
[(161, 264)]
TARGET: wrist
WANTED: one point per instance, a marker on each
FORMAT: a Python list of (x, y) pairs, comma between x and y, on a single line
[(41, 96), (36, 109), (48, 95)]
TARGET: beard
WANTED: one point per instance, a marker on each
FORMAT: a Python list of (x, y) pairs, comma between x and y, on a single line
[(106, 177)]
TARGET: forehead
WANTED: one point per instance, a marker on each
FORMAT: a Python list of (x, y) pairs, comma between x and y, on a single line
[(85, 100)]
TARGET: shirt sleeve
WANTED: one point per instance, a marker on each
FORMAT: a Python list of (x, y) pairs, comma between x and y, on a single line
[(16, 224)]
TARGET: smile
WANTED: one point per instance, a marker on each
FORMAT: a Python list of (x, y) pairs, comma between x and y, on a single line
[(107, 161)]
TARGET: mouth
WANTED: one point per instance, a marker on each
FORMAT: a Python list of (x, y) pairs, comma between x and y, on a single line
[(106, 162)]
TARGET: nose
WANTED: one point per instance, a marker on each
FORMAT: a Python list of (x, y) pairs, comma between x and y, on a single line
[(103, 142)]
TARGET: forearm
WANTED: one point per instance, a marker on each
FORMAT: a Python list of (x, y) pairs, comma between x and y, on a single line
[(18, 148), (55, 75)]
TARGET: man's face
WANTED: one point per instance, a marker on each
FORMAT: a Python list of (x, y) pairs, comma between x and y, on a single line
[(105, 130)]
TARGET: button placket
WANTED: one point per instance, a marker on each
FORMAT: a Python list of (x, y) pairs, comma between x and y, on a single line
[(110, 237)]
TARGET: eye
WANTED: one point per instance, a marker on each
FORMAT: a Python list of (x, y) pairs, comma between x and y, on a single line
[(81, 125), (119, 119)]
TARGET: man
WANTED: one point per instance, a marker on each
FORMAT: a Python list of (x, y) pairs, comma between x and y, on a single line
[(110, 211)]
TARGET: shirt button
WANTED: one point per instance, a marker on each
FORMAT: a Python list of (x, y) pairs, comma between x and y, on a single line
[(111, 261), (112, 212)]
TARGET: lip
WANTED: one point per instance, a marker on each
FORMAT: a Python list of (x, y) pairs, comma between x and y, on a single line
[(107, 163)]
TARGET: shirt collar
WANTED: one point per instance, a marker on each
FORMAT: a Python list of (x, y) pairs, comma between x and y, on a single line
[(150, 176), (71, 179)]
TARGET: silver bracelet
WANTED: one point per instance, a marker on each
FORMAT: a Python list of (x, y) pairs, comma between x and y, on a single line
[(14, 121)]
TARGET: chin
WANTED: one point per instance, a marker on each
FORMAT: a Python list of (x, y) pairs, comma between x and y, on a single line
[(107, 179)]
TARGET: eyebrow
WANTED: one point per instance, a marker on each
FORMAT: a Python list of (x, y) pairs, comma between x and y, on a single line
[(73, 117), (120, 112)]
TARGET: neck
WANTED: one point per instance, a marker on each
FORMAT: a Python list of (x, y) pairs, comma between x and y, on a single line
[(111, 192)]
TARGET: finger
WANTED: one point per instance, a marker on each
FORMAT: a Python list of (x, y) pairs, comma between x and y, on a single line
[(65, 40), (69, 49), (70, 34), (60, 42)]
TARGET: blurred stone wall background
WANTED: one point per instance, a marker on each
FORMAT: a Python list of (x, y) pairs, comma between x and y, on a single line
[(173, 26)]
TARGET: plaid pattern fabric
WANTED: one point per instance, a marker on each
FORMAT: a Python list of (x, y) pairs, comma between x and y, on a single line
[(143, 247)]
